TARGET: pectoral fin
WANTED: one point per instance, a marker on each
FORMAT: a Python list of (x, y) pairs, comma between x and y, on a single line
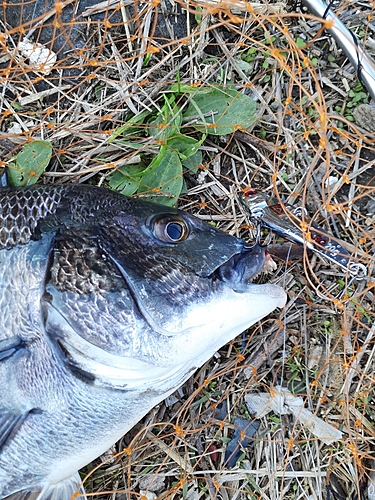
[(8, 347), (9, 425), (10, 420), (63, 490)]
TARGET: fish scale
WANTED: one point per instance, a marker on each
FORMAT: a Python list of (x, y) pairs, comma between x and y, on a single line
[(21, 210), (108, 304)]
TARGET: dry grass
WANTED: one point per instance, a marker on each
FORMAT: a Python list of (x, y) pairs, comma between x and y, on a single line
[(321, 347)]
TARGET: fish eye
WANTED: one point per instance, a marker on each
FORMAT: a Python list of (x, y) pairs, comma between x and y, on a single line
[(174, 230), (170, 229)]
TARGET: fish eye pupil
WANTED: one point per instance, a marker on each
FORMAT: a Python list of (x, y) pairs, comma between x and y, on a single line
[(174, 230), (170, 228)]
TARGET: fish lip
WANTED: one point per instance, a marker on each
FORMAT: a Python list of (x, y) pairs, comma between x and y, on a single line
[(242, 267)]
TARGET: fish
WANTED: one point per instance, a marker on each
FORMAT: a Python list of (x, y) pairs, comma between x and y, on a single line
[(108, 304)]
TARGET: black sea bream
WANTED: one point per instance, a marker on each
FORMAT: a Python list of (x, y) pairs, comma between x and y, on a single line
[(107, 305)]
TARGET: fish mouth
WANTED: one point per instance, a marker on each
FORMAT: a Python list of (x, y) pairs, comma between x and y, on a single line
[(243, 267)]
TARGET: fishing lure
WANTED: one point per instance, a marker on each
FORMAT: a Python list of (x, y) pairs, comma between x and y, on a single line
[(266, 211)]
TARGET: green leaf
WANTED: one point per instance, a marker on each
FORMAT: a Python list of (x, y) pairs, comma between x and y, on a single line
[(126, 179), (157, 128), (186, 146), (188, 151), (131, 126), (167, 122), (198, 15), (244, 65), (185, 88), (360, 96), (192, 163), (268, 40), (165, 178), (224, 111), (300, 43), (30, 163)]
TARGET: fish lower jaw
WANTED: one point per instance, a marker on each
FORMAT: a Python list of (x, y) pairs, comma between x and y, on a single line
[(231, 314), (271, 292)]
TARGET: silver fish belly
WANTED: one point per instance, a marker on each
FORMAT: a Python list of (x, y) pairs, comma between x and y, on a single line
[(107, 305)]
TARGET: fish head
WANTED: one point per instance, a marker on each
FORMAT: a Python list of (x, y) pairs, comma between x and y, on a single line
[(171, 291)]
